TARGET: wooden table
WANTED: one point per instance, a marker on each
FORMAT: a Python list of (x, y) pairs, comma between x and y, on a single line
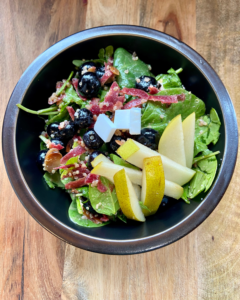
[(36, 265)]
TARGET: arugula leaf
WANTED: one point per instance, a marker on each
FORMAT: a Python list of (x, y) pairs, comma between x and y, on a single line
[(119, 161), (53, 180), (157, 116), (60, 117), (72, 96), (170, 80), (143, 206), (105, 54), (206, 131), (109, 202), (123, 61), (62, 88), (79, 219), (205, 173)]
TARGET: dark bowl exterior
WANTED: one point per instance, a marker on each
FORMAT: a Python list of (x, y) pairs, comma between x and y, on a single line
[(21, 130)]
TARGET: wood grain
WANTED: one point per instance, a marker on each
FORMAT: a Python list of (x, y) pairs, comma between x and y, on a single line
[(31, 259), (218, 238)]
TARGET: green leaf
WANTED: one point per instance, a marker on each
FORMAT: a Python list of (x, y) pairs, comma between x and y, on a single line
[(104, 203), (108, 52), (102, 95), (123, 61), (206, 131), (78, 62), (43, 146), (198, 158), (205, 173), (121, 216), (143, 206), (157, 115), (119, 161), (79, 206), (84, 191), (53, 180), (60, 117), (170, 80), (79, 219), (62, 88), (101, 54), (72, 96)]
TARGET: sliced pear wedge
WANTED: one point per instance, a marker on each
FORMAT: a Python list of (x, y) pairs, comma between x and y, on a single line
[(100, 158), (171, 143), (153, 184), (108, 170), (127, 198), (173, 171), (188, 126), (173, 190)]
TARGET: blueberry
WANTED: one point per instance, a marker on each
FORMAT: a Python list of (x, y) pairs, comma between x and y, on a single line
[(68, 131), (149, 137), (113, 145), (91, 157), (41, 157), (145, 82), (89, 85), (87, 205), (84, 67), (83, 118), (100, 71), (92, 140), (53, 131)]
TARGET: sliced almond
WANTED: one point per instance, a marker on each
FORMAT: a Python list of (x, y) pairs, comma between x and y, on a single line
[(52, 160)]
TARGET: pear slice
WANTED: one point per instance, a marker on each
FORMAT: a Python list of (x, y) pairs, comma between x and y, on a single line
[(173, 171), (188, 126), (108, 170), (153, 184), (171, 143), (127, 198), (137, 190), (100, 158), (173, 190)]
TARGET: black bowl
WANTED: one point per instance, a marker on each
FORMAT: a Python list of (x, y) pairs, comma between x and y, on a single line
[(21, 142)]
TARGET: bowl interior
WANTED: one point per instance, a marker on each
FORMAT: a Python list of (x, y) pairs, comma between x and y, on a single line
[(161, 57)]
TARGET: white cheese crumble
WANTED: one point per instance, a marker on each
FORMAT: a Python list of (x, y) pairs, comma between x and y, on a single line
[(126, 71), (94, 183)]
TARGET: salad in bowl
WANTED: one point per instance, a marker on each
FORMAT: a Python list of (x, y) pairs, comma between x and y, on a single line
[(117, 138)]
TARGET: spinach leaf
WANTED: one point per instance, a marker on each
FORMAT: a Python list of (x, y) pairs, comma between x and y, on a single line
[(53, 180), (123, 61), (170, 80), (206, 131), (78, 62), (76, 218), (104, 203), (119, 161), (79, 206), (205, 173), (157, 115), (198, 158)]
